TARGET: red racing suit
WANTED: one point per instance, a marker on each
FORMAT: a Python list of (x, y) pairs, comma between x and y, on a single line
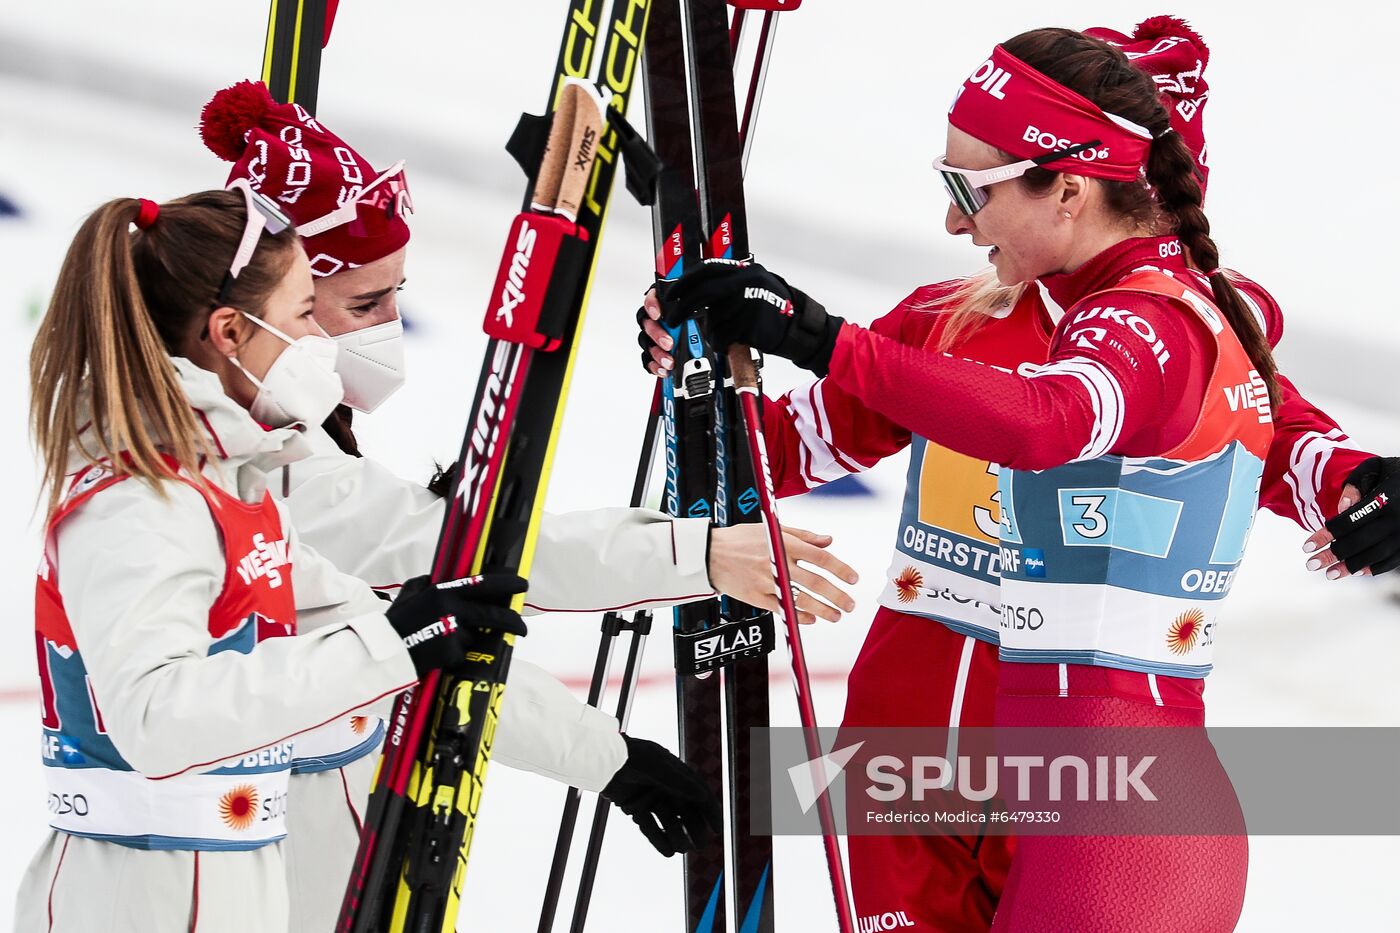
[(912, 673)]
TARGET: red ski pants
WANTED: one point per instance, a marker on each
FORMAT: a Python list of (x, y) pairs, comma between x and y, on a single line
[(1144, 884), (917, 672)]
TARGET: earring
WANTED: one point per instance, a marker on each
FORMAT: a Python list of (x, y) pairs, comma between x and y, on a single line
[(1068, 214)]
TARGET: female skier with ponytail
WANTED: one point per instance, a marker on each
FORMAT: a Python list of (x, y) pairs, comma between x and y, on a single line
[(176, 656), (913, 673), (384, 529)]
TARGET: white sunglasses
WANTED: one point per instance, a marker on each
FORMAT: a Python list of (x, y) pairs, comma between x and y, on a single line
[(387, 197), (967, 187), (263, 214)]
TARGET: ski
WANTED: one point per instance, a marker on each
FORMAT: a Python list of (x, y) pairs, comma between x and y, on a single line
[(739, 437), (640, 625), (688, 412), (416, 840), (297, 31), (725, 232)]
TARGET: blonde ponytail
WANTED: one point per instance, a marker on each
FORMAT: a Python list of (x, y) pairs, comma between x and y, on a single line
[(101, 380)]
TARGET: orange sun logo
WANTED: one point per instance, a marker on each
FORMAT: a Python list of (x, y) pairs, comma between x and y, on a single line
[(239, 807), (907, 584), (358, 724), (1181, 637)]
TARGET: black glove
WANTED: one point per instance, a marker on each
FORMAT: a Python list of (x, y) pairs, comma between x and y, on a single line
[(1368, 534), (748, 304), (665, 797), (437, 621)]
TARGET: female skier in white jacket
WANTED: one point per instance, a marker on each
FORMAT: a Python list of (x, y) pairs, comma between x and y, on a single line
[(176, 657), (383, 529)]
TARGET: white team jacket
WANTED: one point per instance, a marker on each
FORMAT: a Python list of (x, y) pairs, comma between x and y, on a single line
[(383, 529), (139, 573), (376, 526)]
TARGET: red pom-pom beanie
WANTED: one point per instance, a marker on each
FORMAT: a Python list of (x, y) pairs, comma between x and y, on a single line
[(294, 159), (1175, 56)]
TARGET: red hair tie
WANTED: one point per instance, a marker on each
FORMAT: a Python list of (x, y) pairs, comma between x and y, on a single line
[(148, 213)]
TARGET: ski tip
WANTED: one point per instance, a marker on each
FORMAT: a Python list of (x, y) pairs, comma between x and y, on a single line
[(331, 8), (771, 6)]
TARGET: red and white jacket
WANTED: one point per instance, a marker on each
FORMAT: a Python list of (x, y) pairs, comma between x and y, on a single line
[(139, 576), (93, 790), (871, 405)]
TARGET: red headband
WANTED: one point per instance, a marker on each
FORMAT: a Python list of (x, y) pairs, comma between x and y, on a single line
[(1008, 104)]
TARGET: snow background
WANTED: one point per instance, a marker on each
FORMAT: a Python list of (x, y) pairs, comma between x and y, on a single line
[(99, 100)]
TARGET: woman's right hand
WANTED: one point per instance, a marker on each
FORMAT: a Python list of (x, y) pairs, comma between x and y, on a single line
[(653, 339), (740, 567), (438, 621)]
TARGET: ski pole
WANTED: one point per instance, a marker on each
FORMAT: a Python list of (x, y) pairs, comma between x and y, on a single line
[(745, 376), (613, 625)]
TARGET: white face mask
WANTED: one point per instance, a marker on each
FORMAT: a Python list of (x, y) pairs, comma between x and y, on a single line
[(371, 364), (301, 385)]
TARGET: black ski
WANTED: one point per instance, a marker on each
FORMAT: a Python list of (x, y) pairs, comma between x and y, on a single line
[(720, 173), (720, 181), (297, 31), (413, 852), (688, 412), (678, 200)]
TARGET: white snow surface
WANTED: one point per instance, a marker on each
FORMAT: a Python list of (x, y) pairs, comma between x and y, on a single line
[(852, 116)]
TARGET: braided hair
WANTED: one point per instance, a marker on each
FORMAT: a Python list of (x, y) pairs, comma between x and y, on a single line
[(1171, 197)]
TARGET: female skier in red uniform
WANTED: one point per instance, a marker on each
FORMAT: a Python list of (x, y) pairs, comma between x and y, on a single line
[(944, 569), (1090, 395)]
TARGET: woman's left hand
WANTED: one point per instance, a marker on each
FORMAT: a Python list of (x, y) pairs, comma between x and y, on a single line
[(745, 303), (656, 344)]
